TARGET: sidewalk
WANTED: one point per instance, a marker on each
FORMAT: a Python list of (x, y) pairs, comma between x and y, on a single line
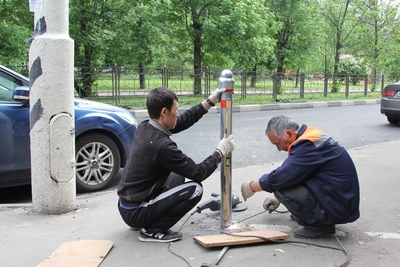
[(373, 240)]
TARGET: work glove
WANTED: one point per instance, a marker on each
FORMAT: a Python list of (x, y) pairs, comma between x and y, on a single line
[(246, 190), (271, 204), (226, 145), (215, 97)]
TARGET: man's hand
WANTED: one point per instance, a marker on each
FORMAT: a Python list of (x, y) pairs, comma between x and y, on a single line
[(215, 97), (226, 145), (246, 190), (271, 204)]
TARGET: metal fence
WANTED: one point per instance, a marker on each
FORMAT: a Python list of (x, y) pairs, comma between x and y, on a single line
[(128, 86)]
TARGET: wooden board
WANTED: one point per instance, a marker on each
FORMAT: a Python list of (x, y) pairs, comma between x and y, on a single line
[(82, 253), (242, 238)]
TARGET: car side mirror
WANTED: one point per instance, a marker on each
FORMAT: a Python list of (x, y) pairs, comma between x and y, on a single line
[(21, 94)]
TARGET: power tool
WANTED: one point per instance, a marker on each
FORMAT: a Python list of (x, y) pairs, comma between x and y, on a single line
[(215, 203)]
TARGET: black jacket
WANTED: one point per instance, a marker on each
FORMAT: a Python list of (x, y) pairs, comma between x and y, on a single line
[(154, 156)]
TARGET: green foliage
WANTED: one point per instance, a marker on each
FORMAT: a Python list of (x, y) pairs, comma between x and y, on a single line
[(16, 24)]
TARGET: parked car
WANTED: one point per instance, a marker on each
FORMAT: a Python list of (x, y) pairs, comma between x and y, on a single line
[(103, 137), (390, 103)]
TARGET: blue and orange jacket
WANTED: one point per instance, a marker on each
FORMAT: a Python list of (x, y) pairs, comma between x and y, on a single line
[(322, 164)]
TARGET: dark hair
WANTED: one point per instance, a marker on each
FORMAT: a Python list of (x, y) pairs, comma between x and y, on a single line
[(159, 98), (279, 124)]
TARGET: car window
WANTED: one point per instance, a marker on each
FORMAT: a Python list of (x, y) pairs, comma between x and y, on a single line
[(7, 85)]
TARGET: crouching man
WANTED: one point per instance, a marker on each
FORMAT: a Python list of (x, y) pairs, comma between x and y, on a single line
[(153, 192), (317, 183)]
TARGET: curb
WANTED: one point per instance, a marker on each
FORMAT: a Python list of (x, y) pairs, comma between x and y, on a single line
[(266, 107)]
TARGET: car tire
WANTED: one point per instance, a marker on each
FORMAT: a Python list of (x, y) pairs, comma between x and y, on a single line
[(392, 120), (97, 162)]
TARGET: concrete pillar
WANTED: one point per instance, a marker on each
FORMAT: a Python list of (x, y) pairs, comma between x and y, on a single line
[(51, 73)]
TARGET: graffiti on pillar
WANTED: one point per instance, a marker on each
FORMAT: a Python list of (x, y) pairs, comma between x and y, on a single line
[(40, 28), (34, 73)]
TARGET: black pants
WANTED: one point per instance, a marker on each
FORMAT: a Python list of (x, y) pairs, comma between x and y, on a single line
[(166, 208)]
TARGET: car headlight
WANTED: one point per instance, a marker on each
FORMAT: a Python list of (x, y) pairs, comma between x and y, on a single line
[(127, 117)]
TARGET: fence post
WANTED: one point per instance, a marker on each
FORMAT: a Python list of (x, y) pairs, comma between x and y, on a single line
[(243, 87), (366, 85), (274, 86), (383, 82), (325, 84), (164, 76), (118, 87), (207, 82), (347, 85), (113, 82), (302, 85)]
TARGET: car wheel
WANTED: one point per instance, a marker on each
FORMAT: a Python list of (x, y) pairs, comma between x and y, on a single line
[(392, 120), (97, 162)]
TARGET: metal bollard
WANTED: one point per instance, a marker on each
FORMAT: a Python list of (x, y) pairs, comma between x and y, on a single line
[(226, 81)]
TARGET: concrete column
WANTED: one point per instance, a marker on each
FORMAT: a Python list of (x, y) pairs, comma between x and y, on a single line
[(51, 73)]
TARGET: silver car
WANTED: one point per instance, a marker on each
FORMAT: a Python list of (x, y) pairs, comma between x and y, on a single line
[(390, 103)]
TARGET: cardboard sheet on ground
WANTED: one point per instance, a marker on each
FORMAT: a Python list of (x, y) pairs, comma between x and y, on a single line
[(242, 238), (82, 253)]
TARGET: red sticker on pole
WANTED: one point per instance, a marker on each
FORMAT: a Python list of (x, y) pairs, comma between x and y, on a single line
[(223, 103)]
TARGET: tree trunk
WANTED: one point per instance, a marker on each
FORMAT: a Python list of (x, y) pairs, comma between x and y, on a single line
[(253, 82), (197, 61), (142, 78)]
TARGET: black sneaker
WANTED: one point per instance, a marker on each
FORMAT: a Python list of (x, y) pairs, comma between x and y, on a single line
[(168, 236), (308, 232)]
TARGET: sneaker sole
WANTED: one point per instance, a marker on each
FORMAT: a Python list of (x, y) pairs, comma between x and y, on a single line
[(145, 239)]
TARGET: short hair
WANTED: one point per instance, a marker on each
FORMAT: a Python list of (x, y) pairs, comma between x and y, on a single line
[(279, 124), (159, 98)]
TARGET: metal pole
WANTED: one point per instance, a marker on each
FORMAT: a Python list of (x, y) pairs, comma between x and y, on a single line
[(226, 81)]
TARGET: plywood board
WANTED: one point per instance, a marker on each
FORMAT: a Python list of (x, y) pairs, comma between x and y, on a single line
[(242, 238), (82, 253)]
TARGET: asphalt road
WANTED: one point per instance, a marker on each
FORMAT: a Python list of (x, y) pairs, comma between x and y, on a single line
[(352, 126)]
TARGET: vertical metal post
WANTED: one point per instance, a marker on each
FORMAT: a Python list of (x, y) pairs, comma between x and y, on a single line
[(226, 81)]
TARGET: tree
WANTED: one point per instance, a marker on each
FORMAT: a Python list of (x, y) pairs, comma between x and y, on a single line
[(342, 20), (296, 36), (379, 24), (92, 24), (141, 34), (244, 36), (16, 27), (219, 32)]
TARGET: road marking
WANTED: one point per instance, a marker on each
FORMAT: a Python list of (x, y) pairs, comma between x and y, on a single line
[(384, 235)]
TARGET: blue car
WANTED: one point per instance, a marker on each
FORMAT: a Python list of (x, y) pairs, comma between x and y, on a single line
[(103, 137)]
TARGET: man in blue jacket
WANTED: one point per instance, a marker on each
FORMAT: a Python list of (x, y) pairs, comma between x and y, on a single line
[(317, 183)]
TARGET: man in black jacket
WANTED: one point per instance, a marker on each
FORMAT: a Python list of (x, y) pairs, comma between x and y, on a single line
[(153, 194)]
